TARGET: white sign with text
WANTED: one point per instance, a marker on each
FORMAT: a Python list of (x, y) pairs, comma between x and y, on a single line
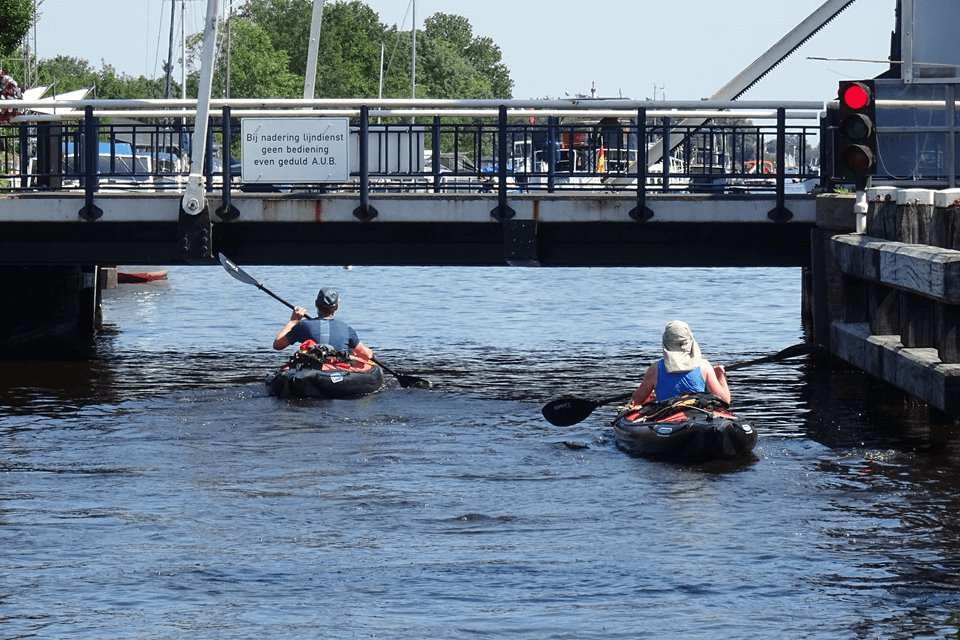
[(277, 150)]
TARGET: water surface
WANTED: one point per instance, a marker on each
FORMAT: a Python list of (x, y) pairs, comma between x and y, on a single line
[(151, 489)]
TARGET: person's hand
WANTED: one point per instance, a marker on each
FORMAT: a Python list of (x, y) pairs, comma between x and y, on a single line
[(720, 371), (299, 313)]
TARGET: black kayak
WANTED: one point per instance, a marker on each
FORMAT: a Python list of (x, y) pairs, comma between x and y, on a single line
[(319, 372), (693, 428)]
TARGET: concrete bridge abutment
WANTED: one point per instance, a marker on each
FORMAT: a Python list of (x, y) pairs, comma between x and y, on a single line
[(48, 307), (887, 300)]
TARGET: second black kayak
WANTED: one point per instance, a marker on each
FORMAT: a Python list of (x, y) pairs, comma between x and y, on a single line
[(319, 372), (692, 428)]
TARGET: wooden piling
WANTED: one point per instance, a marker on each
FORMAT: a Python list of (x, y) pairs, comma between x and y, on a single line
[(899, 318)]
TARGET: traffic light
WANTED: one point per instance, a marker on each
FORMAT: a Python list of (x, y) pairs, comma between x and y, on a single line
[(855, 149)]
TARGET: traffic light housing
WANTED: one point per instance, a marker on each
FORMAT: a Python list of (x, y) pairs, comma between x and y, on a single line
[(855, 148)]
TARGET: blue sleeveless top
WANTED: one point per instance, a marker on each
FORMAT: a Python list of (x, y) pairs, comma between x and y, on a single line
[(670, 385), (337, 334)]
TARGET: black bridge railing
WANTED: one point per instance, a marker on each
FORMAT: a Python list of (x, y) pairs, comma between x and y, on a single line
[(589, 152)]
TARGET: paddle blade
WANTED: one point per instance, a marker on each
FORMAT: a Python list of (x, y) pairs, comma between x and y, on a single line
[(236, 271), (413, 381), (404, 380), (567, 411)]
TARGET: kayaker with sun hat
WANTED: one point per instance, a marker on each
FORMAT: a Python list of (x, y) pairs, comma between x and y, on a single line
[(681, 369)]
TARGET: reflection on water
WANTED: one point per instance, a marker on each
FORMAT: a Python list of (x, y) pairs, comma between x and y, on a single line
[(151, 487)]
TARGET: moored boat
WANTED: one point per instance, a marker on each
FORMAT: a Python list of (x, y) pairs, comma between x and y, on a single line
[(693, 428), (317, 371), (140, 277)]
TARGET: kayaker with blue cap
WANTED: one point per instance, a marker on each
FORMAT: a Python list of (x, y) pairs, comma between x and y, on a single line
[(323, 329), (681, 369)]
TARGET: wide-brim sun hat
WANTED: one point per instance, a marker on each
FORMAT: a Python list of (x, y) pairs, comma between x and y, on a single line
[(680, 349)]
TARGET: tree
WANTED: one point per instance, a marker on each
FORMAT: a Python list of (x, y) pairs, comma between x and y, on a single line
[(268, 57), (257, 68), (349, 61), (283, 21), (479, 72), (17, 18), (451, 61), (66, 73), (110, 85)]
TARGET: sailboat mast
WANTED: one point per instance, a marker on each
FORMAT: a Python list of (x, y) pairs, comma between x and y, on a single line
[(173, 15), (183, 49), (227, 18), (413, 68)]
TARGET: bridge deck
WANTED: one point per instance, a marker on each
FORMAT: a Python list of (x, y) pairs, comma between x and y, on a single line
[(547, 229)]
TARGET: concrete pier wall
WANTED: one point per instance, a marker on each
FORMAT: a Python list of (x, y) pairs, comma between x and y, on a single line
[(893, 292), (48, 306)]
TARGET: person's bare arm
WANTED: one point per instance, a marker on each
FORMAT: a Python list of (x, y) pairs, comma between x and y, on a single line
[(281, 341), (716, 379), (647, 385)]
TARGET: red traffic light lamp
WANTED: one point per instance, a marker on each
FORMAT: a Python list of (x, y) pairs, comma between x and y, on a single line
[(855, 147), (855, 95)]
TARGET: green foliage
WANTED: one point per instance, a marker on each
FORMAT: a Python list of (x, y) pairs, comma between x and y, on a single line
[(66, 73), (257, 68), (458, 64), (348, 64), (287, 24), (451, 61), (17, 17), (269, 40)]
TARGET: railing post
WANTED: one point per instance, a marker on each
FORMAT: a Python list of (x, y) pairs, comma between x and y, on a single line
[(951, 146), (226, 210), (641, 213), (553, 142), (667, 150), (364, 212), (24, 142), (502, 211), (779, 213), (435, 153), (208, 158), (91, 148)]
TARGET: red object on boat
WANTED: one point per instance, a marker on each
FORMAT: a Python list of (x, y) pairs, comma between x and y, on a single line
[(146, 276)]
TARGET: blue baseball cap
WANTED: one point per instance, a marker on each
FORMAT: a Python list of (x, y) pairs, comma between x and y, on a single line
[(328, 297)]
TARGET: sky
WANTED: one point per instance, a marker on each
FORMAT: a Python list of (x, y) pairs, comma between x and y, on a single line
[(635, 49)]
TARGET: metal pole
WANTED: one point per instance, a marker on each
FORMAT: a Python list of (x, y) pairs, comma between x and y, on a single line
[(183, 49), (553, 142), (665, 158), (91, 148), (229, 14), (173, 16), (435, 153), (380, 85), (194, 200), (227, 211), (781, 156), (413, 68), (951, 156), (779, 213), (314, 49), (641, 213), (364, 212)]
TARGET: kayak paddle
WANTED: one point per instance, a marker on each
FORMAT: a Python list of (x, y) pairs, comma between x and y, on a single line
[(569, 410), (244, 277)]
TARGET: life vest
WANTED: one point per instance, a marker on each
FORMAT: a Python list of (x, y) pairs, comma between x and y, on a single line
[(670, 385)]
